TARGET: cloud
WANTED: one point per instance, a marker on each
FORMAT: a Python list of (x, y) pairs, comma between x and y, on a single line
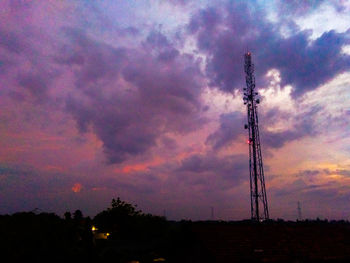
[(231, 168), (34, 181), (231, 126), (37, 85), (314, 184), (24, 188), (237, 27), (180, 2), (296, 7), (301, 8), (343, 172), (298, 187), (11, 42), (309, 173), (301, 124), (308, 65), (130, 97)]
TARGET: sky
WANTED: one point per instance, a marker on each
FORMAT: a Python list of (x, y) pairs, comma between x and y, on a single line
[(142, 100)]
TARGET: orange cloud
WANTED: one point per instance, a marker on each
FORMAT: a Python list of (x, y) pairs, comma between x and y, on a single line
[(77, 188), (140, 167), (53, 168), (99, 188), (135, 168)]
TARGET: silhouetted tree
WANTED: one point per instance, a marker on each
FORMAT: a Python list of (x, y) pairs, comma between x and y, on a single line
[(78, 215), (118, 216), (43, 237), (124, 207), (127, 221), (67, 215)]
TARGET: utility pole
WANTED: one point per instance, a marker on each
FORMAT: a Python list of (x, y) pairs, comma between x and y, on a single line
[(258, 204)]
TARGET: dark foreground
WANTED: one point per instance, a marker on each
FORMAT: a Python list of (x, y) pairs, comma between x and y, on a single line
[(48, 238), (314, 241)]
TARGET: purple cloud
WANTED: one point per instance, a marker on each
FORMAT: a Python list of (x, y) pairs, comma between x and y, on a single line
[(11, 41), (231, 126), (231, 168), (304, 126), (130, 98), (301, 8), (35, 84), (296, 7), (237, 27)]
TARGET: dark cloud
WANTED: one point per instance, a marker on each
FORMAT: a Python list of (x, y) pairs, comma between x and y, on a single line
[(20, 177), (36, 84), (231, 168), (27, 71), (24, 188), (180, 2), (307, 65), (231, 126), (323, 194), (304, 126), (11, 42), (307, 185), (95, 60), (297, 7), (301, 8), (169, 143), (309, 173), (144, 183), (238, 27), (129, 97), (12, 46), (299, 187), (343, 172), (207, 18)]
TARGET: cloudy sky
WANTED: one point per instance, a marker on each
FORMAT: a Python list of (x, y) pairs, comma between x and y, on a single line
[(143, 100)]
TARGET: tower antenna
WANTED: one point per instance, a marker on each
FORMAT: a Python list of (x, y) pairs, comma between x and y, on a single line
[(258, 200)]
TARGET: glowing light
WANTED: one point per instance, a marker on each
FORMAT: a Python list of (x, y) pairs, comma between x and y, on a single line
[(159, 260), (94, 228), (107, 234), (76, 188)]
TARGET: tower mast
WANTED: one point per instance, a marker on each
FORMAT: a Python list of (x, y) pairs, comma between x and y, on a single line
[(258, 200)]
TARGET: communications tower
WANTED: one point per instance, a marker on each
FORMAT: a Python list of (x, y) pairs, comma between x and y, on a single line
[(258, 200)]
